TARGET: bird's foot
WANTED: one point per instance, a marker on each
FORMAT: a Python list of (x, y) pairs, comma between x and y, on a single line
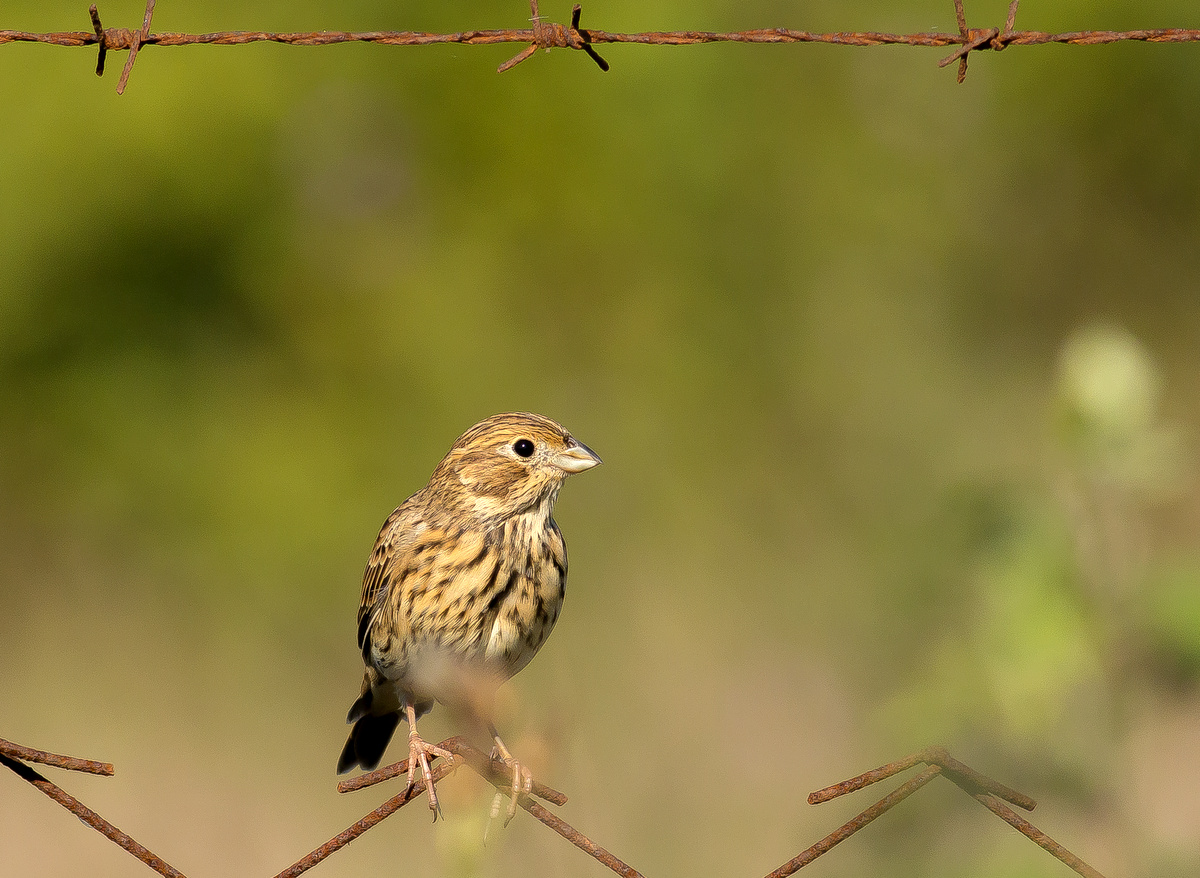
[(522, 784), (419, 752)]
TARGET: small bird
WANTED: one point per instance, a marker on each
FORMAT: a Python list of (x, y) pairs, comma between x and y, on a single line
[(462, 588)]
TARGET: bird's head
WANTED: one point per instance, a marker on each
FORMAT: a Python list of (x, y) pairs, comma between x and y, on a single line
[(510, 463)]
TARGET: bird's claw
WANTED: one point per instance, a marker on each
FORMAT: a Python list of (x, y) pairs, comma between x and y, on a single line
[(419, 751), (522, 785)]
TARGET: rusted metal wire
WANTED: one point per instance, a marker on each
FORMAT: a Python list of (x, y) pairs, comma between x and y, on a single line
[(548, 35), (980, 787), (971, 781), (578, 839), (490, 769), (135, 44), (70, 763), (1027, 829), (939, 762), (846, 830), (388, 808), (91, 818), (963, 775), (498, 775), (865, 779)]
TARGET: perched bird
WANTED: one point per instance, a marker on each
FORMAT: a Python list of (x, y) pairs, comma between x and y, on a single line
[(463, 586)]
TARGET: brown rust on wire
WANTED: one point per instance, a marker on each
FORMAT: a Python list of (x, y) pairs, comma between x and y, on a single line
[(136, 41), (91, 818), (865, 779), (846, 830), (931, 39), (971, 781), (971, 40), (99, 29), (975, 39), (379, 775), (339, 841), (983, 789), (577, 838), (498, 774), (118, 38), (1027, 829), (549, 35), (70, 763), (939, 761), (494, 772)]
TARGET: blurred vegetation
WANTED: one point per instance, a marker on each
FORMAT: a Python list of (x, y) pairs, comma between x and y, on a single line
[(893, 379)]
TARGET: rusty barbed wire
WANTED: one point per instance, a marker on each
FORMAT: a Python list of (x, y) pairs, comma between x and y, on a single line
[(982, 788), (548, 35)]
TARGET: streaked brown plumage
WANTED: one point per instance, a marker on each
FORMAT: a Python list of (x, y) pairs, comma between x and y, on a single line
[(463, 586)]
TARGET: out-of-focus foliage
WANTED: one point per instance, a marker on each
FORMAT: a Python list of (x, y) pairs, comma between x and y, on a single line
[(893, 379)]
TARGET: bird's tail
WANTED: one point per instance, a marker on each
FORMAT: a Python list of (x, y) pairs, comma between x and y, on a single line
[(375, 714), (368, 739)]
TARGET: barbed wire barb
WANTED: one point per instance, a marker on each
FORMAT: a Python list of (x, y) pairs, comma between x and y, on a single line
[(113, 38), (136, 43), (99, 28), (548, 35), (990, 38)]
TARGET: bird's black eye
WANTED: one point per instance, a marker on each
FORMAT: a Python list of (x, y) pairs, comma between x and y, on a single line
[(523, 447)]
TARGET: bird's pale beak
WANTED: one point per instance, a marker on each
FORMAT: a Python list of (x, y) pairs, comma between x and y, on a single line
[(576, 459)]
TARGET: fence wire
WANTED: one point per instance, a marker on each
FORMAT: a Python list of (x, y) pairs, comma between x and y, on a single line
[(550, 35), (991, 794)]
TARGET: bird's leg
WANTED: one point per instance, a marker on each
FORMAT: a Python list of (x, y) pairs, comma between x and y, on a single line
[(419, 750), (522, 781)]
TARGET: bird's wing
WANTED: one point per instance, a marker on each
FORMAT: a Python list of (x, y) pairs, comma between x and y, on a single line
[(385, 564)]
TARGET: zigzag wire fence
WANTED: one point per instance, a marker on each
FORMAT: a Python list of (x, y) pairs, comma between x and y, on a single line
[(548, 35), (939, 762)]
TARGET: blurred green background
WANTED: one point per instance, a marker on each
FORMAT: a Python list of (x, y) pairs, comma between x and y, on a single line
[(894, 379)]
